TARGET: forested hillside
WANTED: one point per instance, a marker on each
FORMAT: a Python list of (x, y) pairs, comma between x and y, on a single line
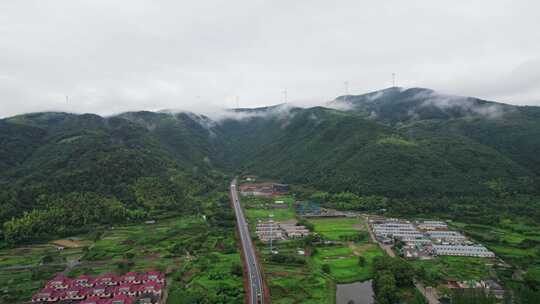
[(394, 143), (62, 170)]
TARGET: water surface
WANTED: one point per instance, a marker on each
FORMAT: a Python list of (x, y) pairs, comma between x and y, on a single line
[(359, 293)]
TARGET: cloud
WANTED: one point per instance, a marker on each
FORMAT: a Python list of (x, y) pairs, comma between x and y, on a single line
[(447, 103), (119, 55)]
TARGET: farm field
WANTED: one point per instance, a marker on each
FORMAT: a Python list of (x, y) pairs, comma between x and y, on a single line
[(298, 285), (189, 249), (297, 278), (516, 242), (442, 268), (352, 242), (336, 229), (257, 208), (343, 261)]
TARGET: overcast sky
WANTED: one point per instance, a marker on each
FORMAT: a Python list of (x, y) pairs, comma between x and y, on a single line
[(110, 56)]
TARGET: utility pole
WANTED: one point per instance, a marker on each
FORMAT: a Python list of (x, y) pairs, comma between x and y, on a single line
[(393, 79), (271, 231), (67, 99)]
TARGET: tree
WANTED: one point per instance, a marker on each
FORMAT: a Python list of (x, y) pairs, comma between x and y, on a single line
[(326, 268), (236, 269), (385, 288), (361, 261)]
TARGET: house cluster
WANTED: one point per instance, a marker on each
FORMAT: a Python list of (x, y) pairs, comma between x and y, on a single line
[(275, 231), (489, 286), (131, 288), (425, 239), (263, 189)]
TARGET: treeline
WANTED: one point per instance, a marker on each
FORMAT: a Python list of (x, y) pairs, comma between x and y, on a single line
[(481, 210), (391, 277), (350, 201)]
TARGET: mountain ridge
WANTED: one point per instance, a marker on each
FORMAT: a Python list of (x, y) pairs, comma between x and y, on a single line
[(441, 150)]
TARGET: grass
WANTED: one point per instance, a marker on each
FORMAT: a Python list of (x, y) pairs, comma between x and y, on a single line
[(298, 285), (457, 268), (335, 228), (257, 208), (343, 261), (508, 240)]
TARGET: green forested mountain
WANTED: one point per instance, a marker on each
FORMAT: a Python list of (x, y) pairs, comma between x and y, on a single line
[(398, 106), (344, 152), (394, 143), (56, 161)]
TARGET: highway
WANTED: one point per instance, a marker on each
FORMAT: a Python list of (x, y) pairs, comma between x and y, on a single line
[(255, 282)]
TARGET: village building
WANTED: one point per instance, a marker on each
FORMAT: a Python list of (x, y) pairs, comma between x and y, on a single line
[(395, 229), (463, 250), (432, 225), (259, 189), (431, 240), (103, 289), (271, 230), (279, 205), (280, 188), (446, 236), (294, 231), (489, 286)]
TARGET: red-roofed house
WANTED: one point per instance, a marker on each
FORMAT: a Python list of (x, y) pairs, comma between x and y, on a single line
[(93, 300), (60, 281), (45, 295), (122, 299), (106, 279), (126, 289), (150, 287), (74, 293), (153, 276), (131, 277), (84, 280), (99, 291)]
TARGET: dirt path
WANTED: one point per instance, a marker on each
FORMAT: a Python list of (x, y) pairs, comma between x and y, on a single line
[(429, 293)]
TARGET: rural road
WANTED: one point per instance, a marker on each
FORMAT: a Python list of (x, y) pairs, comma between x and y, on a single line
[(255, 282)]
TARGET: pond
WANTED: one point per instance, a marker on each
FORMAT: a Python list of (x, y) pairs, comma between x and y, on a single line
[(358, 293)]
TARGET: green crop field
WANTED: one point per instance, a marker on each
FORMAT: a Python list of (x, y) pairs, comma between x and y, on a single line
[(516, 242), (335, 228), (258, 208), (293, 284), (343, 261), (440, 269)]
